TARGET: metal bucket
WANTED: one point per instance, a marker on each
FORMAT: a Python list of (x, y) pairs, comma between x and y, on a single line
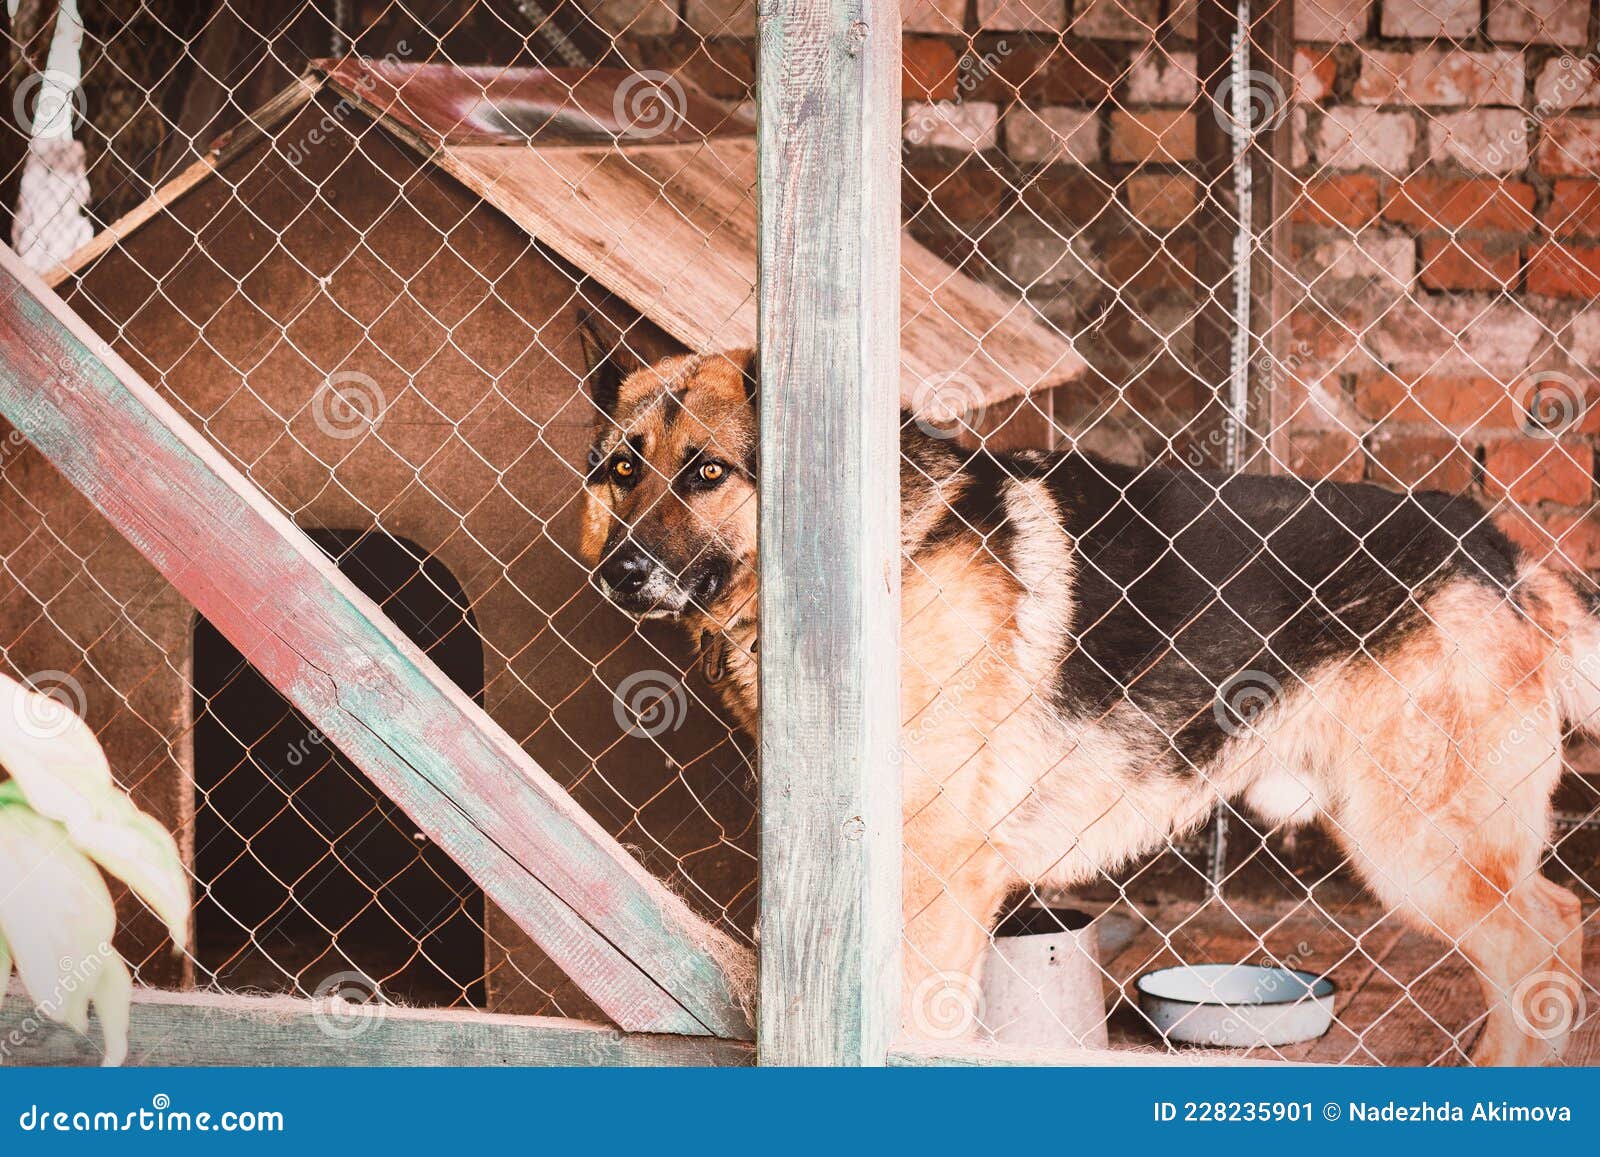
[(1042, 982)]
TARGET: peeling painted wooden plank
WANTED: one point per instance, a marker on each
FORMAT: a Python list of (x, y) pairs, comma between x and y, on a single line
[(634, 947), (829, 167), (204, 1029), (946, 1054)]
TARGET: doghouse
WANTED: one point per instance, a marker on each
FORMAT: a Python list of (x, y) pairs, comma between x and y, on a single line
[(369, 299)]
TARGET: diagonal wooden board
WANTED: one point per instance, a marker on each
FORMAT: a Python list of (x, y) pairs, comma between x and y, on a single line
[(635, 948)]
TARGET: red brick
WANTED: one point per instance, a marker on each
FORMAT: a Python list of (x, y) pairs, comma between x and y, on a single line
[(1557, 402), (1557, 270), (1315, 71), (1161, 200), (1471, 203), (1577, 536), (1322, 338), (1539, 22), (1525, 528), (1569, 146), (1562, 538), (929, 66), (1422, 462), (969, 193), (1134, 262), (1470, 263), (1158, 135), (1054, 72), (1539, 470), (1439, 76), (1438, 400), (1416, 19), (1574, 209), (1326, 455), (1331, 19), (1346, 199), (1067, 197)]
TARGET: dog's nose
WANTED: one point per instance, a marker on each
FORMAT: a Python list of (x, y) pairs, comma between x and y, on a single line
[(626, 570)]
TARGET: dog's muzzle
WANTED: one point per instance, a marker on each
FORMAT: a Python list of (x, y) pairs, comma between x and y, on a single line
[(639, 584)]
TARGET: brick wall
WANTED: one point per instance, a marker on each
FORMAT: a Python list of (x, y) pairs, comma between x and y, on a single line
[(1445, 240)]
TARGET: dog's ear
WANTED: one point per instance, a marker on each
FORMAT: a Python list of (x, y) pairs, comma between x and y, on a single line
[(606, 358), (751, 362)]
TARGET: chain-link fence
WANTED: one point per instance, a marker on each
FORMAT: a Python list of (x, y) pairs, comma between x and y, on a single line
[(1343, 241), (1351, 241), (362, 329)]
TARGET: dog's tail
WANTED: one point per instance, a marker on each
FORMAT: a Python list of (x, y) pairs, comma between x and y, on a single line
[(1567, 611)]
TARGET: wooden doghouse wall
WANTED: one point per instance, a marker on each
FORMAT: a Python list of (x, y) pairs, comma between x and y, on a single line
[(350, 255)]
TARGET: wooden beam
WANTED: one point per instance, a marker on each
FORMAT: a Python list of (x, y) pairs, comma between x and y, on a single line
[(635, 948), (829, 189), (203, 1029), (908, 1053)]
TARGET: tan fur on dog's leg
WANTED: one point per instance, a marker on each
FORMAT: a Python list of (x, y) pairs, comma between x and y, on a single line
[(950, 909), (1468, 873)]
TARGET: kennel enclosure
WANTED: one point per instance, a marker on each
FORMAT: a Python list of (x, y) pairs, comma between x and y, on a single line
[(363, 307)]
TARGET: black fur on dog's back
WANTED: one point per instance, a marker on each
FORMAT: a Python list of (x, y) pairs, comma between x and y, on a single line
[(1184, 580)]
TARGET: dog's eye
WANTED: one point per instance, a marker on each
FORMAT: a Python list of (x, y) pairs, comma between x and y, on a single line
[(623, 468), (712, 471)]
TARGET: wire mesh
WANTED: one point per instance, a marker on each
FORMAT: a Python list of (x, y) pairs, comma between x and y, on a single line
[(397, 364), (1336, 240), (1346, 240)]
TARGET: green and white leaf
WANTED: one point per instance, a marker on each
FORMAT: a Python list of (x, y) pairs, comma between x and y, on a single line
[(63, 774), (55, 913)]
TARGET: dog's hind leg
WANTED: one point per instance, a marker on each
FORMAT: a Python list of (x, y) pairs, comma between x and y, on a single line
[(1457, 852)]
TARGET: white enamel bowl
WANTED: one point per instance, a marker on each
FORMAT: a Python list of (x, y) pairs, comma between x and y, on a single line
[(1236, 1005)]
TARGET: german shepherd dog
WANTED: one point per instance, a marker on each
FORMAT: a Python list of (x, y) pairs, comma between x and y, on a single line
[(1094, 655)]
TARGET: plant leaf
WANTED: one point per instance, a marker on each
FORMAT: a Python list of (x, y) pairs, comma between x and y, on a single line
[(113, 999), (51, 753), (55, 913), (137, 850), (62, 772)]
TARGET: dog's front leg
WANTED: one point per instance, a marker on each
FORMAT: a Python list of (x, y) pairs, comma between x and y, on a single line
[(950, 908)]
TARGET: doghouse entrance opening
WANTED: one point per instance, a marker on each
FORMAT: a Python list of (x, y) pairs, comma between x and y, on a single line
[(308, 873)]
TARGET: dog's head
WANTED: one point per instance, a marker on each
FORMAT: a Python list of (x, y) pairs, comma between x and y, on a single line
[(670, 521)]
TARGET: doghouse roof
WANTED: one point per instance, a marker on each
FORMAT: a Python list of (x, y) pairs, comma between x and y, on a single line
[(667, 223)]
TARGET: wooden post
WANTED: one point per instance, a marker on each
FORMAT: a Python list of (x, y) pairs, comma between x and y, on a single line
[(829, 196), (1277, 293), (1206, 438)]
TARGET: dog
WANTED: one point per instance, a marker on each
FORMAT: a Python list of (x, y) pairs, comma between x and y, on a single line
[(1094, 655)]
